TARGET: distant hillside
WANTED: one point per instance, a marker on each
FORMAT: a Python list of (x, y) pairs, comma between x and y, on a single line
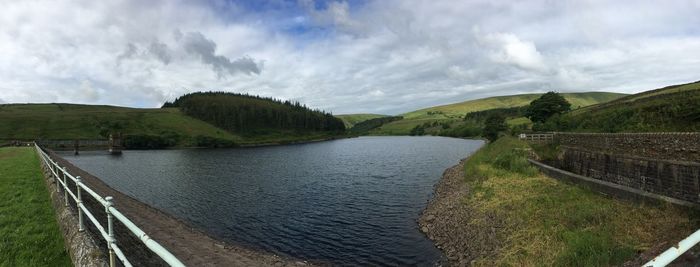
[(672, 108), (252, 115), (457, 111), (351, 119), (169, 126), (71, 121)]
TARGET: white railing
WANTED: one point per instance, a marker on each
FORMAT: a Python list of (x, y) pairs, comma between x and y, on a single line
[(62, 176), (675, 251), (537, 137)]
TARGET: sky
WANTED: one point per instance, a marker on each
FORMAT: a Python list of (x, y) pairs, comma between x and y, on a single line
[(383, 56)]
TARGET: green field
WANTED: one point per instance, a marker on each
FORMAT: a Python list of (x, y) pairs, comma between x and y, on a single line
[(29, 233), (544, 222), (454, 112), (351, 119)]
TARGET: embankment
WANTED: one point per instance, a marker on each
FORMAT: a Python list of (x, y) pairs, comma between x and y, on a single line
[(190, 245), (496, 209)]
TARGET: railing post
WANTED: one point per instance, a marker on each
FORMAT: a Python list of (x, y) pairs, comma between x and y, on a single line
[(65, 189), (80, 201), (58, 185), (110, 230)]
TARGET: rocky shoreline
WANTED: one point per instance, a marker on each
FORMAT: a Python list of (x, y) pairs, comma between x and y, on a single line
[(446, 221)]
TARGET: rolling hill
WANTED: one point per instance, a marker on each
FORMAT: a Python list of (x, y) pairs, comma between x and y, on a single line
[(72, 121), (457, 110), (672, 108), (351, 119), (169, 126)]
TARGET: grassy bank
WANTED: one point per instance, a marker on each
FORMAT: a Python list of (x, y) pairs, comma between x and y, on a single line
[(29, 233), (546, 222)]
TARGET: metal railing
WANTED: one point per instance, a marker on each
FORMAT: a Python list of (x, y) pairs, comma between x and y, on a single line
[(61, 176), (676, 251), (537, 137)]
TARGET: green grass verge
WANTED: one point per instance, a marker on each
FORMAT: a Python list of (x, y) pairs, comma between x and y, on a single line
[(550, 223), (29, 233)]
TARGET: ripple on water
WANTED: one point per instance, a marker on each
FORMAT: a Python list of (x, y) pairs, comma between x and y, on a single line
[(349, 202)]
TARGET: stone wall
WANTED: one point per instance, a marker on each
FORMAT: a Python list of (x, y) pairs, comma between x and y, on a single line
[(665, 146), (666, 164), (679, 180)]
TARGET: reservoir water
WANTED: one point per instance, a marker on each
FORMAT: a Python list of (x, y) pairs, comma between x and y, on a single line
[(345, 202)]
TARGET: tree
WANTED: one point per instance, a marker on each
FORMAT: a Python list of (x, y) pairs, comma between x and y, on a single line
[(494, 125), (546, 106)]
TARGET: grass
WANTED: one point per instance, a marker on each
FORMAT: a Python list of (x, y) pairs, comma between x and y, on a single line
[(458, 110), (518, 121), (351, 119), (29, 233), (672, 108), (550, 223), (72, 121)]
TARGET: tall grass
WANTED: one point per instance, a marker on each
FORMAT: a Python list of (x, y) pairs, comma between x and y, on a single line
[(544, 222)]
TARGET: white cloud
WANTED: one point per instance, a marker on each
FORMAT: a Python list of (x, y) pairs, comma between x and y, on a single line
[(384, 56), (508, 48)]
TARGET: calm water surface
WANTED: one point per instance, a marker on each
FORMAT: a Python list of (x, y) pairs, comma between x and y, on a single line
[(347, 202)]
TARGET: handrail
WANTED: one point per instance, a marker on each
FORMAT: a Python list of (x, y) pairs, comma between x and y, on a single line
[(111, 211), (675, 251)]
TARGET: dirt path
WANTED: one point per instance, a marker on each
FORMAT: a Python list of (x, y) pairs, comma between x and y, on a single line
[(190, 245)]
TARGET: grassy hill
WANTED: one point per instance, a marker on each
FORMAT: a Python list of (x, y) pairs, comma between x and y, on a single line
[(672, 108), (457, 110), (351, 119), (72, 121)]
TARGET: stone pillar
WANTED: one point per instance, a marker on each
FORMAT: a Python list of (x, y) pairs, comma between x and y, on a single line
[(115, 144)]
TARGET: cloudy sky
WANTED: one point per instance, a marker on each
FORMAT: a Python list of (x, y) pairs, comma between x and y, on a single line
[(379, 56)]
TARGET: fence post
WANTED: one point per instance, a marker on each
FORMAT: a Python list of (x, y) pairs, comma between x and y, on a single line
[(110, 230), (65, 189), (80, 201), (58, 185)]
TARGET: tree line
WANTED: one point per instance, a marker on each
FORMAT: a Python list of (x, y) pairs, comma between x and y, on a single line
[(245, 113)]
